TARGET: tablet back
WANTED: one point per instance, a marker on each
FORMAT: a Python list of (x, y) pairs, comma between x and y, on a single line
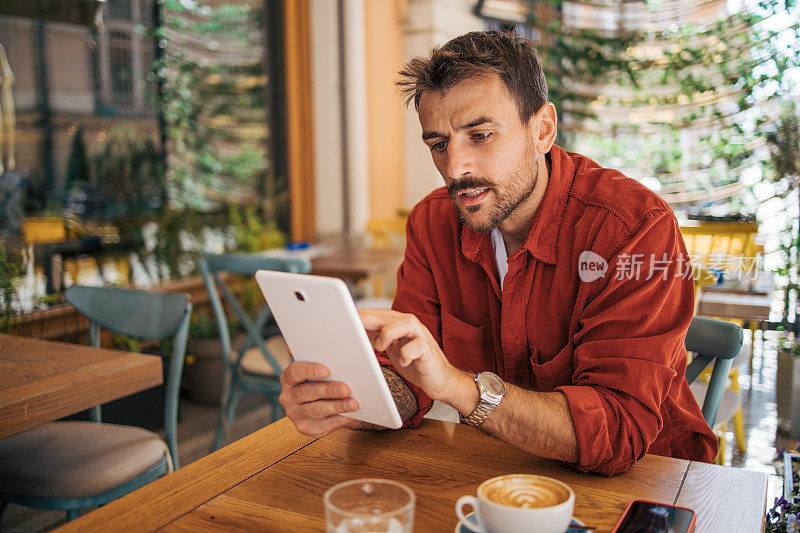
[(319, 322)]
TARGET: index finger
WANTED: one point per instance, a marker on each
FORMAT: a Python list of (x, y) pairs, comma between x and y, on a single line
[(299, 372), (375, 319)]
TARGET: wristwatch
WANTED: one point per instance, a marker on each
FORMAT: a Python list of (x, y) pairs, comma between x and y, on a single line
[(492, 389)]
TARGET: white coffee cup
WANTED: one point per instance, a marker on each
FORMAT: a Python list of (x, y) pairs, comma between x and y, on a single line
[(519, 502)]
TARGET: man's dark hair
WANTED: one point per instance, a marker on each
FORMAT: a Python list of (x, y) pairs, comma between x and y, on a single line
[(479, 53)]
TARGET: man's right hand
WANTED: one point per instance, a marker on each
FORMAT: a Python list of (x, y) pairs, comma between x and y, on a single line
[(315, 407)]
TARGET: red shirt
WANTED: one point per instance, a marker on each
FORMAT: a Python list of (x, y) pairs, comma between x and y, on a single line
[(613, 345)]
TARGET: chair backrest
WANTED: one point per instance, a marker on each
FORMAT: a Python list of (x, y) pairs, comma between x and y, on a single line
[(212, 265), (144, 315), (721, 244), (712, 340)]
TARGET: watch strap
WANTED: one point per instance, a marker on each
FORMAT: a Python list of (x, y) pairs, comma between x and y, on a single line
[(486, 404)]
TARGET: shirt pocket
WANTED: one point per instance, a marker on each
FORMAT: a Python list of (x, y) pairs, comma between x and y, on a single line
[(557, 372), (464, 344)]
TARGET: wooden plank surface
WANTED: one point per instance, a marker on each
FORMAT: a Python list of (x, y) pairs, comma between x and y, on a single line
[(725, 499), (440, 461), (274, 480), (734, 305), (41, 381), (170, 497)]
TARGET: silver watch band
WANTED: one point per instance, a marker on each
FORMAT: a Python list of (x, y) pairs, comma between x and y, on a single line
[(491, 391), (480, 414)]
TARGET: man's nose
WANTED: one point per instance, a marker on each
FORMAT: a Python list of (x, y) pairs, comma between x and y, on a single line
[(459, 161)]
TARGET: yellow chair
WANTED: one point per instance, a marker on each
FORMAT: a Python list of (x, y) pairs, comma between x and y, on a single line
[(728, 246), (387, 233), (713, 244)]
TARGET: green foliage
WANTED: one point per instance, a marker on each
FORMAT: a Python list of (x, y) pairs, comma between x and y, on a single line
[(10, 270), (783, 141), (128, 169), (78, 170), (211, 74), (688, 106), (177, 237), (202, 326), (247, 228), (128, 344)]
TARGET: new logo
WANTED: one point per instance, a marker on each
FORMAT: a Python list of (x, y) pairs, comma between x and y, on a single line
[(591, 266)]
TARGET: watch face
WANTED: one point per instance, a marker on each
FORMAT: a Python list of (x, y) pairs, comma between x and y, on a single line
[(492, 383)]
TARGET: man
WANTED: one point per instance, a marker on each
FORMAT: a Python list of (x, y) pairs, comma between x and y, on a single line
[(542, 296)]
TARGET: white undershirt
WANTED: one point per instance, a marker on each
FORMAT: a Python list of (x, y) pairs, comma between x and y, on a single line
[(500, 255)]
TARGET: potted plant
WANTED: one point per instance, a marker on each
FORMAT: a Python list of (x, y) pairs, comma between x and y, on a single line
[(787, 386), (204, 369), (128, 172), (783, 141), (10, 270), (785, 513)]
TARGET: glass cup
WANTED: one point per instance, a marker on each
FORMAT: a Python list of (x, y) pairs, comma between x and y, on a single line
[(369, 505)]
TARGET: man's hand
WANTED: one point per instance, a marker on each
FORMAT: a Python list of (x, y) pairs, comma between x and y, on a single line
[(417, 357), (315, 407)]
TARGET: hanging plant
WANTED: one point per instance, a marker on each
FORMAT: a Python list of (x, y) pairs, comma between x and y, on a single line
[(213, 103), (694, 97)]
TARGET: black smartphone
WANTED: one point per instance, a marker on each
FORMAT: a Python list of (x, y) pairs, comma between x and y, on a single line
[(642, 516)]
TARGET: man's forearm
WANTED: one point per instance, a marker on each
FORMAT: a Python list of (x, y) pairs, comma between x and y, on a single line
[(537, 422), (403, 397)]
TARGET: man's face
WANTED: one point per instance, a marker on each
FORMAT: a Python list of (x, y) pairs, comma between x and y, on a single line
[(482, 150)]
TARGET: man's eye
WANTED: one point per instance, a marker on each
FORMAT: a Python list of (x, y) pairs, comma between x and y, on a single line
[(481, 136), (440, 146)]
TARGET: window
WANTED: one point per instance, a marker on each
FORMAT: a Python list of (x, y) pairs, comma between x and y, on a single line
[(125, 54), (119, 50)]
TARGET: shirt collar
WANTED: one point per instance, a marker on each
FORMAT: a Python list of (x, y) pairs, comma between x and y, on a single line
[(542, 240)]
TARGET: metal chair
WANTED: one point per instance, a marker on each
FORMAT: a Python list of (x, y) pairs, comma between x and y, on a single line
[(718, 341), (70, 466), (246, 370)]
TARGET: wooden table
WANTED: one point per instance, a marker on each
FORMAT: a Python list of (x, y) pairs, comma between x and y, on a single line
[(351, 262), (747, 306), (360, 266), (356, 263), (42, 380), (274, 479)]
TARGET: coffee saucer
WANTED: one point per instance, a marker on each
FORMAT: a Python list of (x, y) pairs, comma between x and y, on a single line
[(471, 517)]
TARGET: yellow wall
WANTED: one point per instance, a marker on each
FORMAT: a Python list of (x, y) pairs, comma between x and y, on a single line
[(384, 57)]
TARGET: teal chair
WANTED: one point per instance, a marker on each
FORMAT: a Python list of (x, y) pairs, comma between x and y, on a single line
[(246, 370), (714, 341), (70, 466)]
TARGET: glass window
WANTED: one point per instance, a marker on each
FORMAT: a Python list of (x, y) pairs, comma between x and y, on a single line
[(119, 46), (119, 9)]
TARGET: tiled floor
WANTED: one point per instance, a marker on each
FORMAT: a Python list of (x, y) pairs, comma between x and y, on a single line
[(197, 422)]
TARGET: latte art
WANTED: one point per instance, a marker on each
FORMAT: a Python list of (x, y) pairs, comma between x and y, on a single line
[(525, 491)]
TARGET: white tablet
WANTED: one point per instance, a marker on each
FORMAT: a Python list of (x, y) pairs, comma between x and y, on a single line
[(319, 322)]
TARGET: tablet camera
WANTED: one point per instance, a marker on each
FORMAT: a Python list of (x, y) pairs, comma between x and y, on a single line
[(300, 296)]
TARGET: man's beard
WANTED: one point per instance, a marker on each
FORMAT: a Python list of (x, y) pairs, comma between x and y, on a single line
[(521, 188)]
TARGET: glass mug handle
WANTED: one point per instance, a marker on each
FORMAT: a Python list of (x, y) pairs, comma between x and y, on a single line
[(473, 501)]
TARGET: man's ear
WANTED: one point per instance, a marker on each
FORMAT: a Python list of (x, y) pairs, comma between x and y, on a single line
[(543, 127)]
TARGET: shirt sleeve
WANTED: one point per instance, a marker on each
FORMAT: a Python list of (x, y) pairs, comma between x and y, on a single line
[(416, 294), (628, 348)]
